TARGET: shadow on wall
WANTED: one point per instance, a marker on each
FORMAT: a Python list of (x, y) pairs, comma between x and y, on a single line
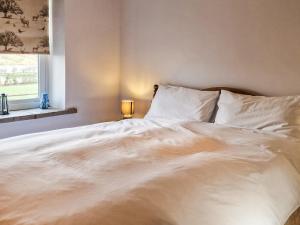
[(141, 107)]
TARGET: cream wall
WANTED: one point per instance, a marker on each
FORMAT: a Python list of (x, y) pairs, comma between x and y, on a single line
[(201, 43), (89, 59)]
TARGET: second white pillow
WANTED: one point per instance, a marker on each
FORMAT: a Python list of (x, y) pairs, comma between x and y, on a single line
[(275, 114)]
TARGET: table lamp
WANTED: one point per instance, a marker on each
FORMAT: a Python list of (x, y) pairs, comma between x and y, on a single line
[(127, 109)]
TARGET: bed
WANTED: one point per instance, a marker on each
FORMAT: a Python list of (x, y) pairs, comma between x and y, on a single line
[(150, 172)]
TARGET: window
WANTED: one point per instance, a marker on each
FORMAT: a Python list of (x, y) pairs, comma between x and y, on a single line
[(23, 79)]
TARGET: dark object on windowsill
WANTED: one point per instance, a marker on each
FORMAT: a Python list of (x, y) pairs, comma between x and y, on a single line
[(4, 105)]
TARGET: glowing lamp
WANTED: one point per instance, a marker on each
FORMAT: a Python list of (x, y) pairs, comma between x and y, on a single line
[(127, 109)]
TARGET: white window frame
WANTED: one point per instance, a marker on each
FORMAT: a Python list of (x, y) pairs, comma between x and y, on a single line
[(15, 105)]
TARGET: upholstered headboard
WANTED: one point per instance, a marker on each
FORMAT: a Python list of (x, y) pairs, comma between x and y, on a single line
[(234, 90)]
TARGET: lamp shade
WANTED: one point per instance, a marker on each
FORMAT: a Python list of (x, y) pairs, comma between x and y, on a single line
[(127, 108)]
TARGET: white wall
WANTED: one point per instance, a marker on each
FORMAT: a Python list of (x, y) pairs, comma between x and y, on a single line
[(92, 47), (202, 43), (199, 43), (57, 62)]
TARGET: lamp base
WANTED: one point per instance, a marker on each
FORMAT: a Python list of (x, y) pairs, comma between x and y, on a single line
[(127, 117)]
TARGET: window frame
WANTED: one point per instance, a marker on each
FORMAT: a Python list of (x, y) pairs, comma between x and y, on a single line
[(15, 105)]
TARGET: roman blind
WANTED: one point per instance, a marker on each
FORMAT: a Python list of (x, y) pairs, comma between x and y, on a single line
[(24, 26)]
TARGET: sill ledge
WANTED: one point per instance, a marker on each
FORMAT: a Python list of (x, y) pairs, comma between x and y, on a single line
[(33, 114)]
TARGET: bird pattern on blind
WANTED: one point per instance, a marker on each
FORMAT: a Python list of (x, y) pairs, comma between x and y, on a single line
[(24, 26)]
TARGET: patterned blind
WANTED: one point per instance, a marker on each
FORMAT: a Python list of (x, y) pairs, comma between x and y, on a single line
[(24, 26)]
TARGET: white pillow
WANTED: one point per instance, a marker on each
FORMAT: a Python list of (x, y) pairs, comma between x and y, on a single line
[(183, 103), (276, 114)]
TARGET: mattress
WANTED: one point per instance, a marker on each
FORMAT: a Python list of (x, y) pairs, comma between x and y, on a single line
[(147, 172)]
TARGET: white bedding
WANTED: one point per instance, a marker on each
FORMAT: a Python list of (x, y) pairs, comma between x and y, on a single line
[(139, 172)]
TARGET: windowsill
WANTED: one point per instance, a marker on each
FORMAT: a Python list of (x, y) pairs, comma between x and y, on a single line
[(33, 114)]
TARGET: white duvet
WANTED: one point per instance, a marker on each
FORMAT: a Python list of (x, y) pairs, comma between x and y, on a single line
[(140, 172)]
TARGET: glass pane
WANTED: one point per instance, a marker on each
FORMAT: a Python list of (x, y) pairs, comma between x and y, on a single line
[(19, 77)]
